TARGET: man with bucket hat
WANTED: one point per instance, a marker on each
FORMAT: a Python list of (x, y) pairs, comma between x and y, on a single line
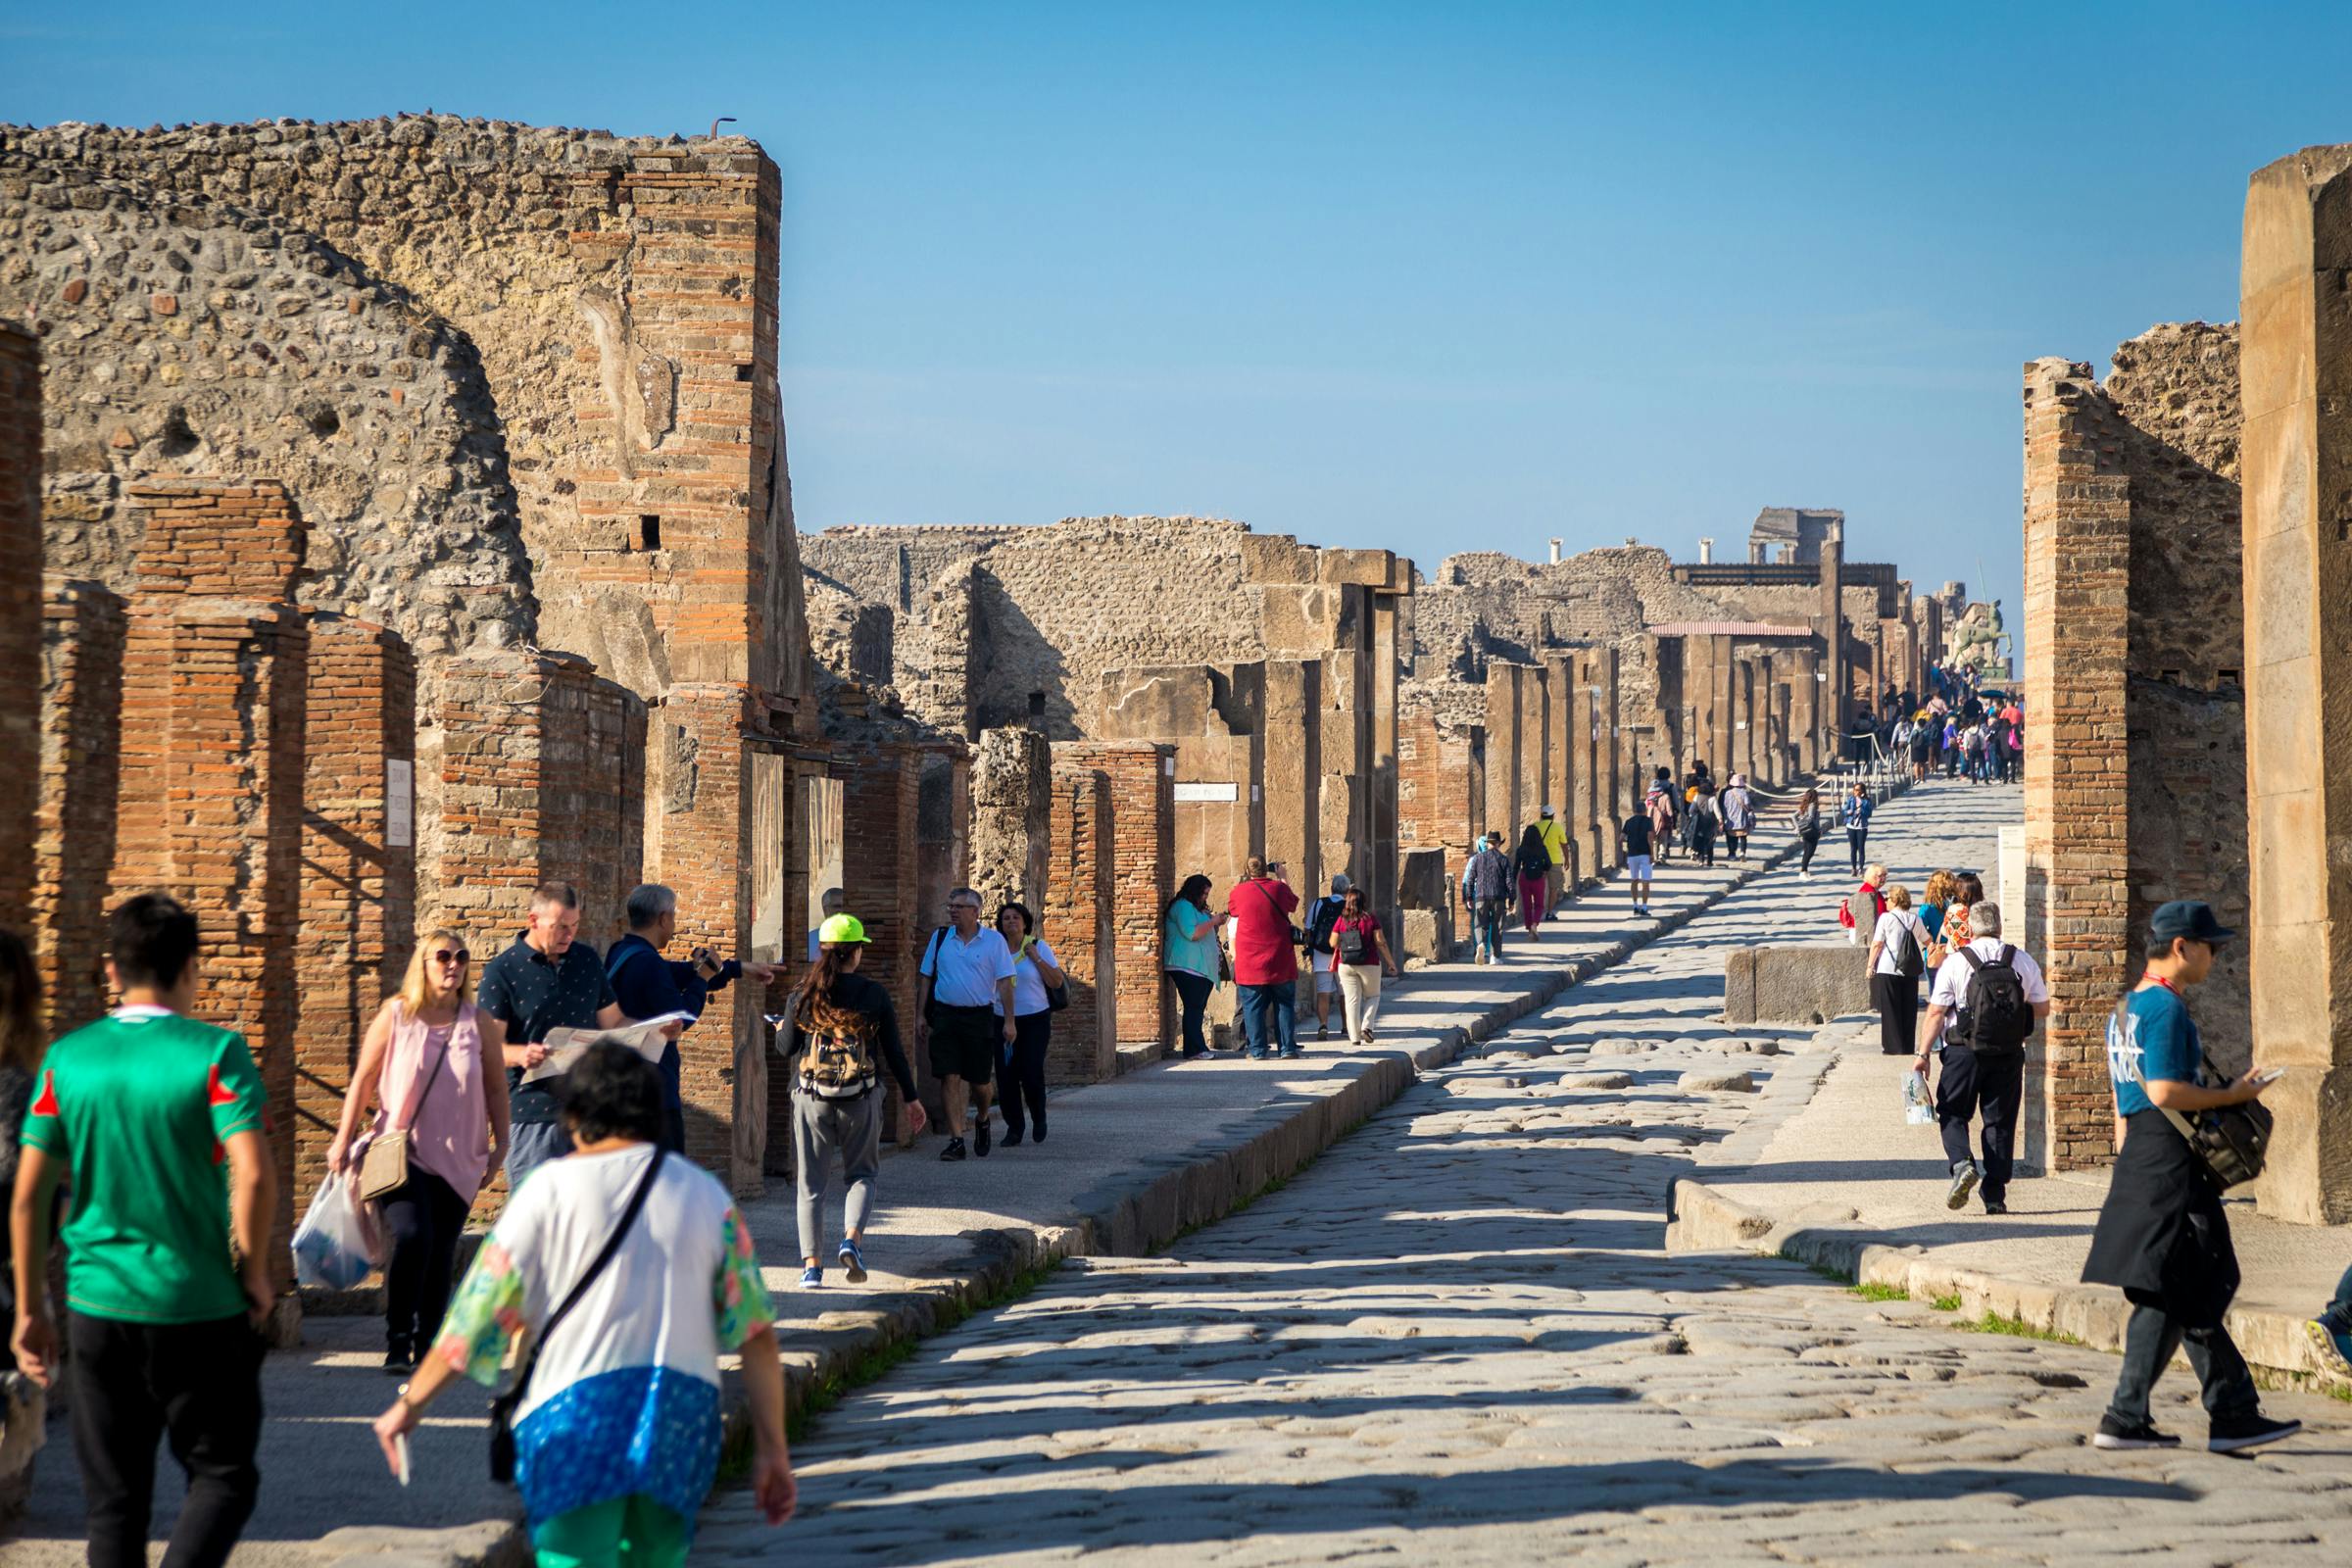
[(838, 1035), (2162, 1237)]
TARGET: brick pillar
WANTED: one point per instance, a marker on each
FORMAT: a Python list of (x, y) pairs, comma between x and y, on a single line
[(1506, 741), (2295, 371), (1140, 780), (20, 618), (1805, 689), (702, 815), (881, 789), (1590, 808), (210, 791), (541, 777), (359, 865), (2078, 571), (1559, 783), (1078, 911), (1534, 748), (81, 781), (1616, 794)]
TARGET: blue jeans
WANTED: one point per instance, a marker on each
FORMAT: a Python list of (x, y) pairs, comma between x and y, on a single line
[(1487, 916), (2338, 1316), (1269, 1017), (535, 1143)]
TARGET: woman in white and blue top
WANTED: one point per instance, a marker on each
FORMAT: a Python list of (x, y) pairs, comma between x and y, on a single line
[(1021, 1065)]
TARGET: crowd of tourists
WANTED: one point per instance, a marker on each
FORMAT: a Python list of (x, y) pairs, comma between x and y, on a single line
[(1954, 727)]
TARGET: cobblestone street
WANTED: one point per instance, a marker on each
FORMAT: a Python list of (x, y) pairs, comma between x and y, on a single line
[(1457, 1335)]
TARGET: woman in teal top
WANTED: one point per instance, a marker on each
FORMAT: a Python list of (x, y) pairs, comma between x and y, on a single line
[(1189, 941)]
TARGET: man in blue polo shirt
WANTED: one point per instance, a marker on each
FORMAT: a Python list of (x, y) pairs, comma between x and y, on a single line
[(545, 981), (2162, 1237)]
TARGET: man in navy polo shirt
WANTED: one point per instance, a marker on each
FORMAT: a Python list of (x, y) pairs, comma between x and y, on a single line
[(649, 986), (545, 981)]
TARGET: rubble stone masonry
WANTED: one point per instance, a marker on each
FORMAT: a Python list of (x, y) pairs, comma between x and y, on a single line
[(20, 616)]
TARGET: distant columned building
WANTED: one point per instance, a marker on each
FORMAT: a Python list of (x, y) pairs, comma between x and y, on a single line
[(1793, 533)]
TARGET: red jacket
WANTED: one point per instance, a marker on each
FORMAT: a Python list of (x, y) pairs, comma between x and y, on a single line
[(1261, 910)]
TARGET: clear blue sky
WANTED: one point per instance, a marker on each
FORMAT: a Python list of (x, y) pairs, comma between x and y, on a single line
[(1438, 278)]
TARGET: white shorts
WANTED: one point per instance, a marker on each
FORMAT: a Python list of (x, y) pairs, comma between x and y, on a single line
[(1327, 981), (1637, 867)]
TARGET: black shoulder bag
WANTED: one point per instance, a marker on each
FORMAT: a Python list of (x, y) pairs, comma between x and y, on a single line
[(1298, 938), (2231, 1142), (501, 1408)]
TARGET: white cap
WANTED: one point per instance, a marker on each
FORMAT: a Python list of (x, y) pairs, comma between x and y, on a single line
[(1546, 810)]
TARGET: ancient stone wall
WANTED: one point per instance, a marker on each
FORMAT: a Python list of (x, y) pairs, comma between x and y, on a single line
[(20, 617), (2138, 792), (80, 780), (1013, 808), (1084, 1048)]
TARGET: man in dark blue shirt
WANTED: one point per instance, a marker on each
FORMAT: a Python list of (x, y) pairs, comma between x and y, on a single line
[(545, 981), (648, 986)]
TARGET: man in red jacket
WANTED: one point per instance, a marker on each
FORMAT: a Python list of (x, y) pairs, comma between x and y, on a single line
[(1265, 960)]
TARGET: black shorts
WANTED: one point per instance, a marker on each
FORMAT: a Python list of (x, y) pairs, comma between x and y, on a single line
[(963, 1043)]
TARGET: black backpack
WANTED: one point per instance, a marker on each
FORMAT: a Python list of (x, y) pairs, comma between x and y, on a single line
[(1997, 1020), (1909, 961), (1327, 915)]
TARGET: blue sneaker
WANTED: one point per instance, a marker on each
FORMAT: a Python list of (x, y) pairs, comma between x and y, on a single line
[(853, 1263), (2333, 1349), (812, 1277)]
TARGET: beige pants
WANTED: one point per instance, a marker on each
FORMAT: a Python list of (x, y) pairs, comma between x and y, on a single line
[(1556, 883), (1359, 988)]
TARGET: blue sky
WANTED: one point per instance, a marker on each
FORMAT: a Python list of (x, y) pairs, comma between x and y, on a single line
[(1436, 277)]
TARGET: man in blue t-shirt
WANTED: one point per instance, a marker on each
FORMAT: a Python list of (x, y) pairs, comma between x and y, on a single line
[(2162, 1237)]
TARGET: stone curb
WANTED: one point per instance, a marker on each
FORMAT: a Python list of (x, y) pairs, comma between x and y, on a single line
[(1700, 1219), (1197, 1188)]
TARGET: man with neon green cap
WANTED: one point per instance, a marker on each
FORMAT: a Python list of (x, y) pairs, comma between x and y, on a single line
[(839, 1035)]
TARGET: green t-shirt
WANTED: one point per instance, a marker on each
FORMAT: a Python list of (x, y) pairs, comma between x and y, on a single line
[(140, 1106)]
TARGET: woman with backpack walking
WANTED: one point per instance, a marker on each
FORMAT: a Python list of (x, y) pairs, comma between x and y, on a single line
[(616, 1418), (1807, 824), (1530, 865), (1362, 958), (1705, 817), (1037, 979), (840, 1034), (1738, 808), (1899, 957)]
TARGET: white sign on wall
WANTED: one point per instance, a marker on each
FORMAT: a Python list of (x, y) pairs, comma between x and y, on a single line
[(399, 803), (1208, 792)]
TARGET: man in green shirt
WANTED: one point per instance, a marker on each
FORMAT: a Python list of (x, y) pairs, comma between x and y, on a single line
[(156, 1121)]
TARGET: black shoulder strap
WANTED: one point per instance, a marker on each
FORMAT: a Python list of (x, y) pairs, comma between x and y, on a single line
[(620, 1233), (1970, 954)]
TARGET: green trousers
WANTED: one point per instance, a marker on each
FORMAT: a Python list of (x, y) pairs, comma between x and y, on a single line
[(632, 1531)]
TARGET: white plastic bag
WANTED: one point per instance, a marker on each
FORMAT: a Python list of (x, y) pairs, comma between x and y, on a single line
[(330, 1246), (1919, 1107)]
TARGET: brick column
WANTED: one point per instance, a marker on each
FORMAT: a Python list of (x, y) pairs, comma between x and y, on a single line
[(1590, 763), (2078, 571), (1534, 748), (1559, 783), (1506, 741), (1829, 624), (2295, 371), (81, 781), (1078, 911), (20, 618), (880, 797), (1140, 781), (1805, 689), (1616, 794), (359, 865)]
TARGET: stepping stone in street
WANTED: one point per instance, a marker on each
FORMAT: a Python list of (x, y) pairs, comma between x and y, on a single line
[(1739, 1083), (1596, 1079)]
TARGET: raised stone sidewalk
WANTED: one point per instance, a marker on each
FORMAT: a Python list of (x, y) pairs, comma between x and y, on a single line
[(1847, 1184), (1129, 1165)]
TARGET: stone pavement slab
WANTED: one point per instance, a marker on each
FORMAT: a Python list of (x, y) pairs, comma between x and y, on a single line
[(1129, 1165)]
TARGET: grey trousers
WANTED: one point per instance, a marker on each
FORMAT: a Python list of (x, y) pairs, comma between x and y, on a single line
[(535, 1144), (826, 1130)]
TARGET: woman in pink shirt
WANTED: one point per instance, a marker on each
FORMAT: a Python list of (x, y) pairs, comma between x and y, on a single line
[(424, 1058)]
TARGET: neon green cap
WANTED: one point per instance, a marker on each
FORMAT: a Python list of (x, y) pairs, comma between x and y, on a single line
[(841, 928)]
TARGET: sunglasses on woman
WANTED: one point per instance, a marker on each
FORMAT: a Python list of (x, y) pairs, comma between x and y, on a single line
[(458, 956)]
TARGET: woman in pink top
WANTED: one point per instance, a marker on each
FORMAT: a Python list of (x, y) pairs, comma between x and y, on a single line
[(423, 1060)]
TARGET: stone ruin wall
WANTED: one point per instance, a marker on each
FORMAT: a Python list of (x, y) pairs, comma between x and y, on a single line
[(515, 390), (2135, 636)]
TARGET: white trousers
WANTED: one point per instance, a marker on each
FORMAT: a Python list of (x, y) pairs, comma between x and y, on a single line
[(1359, 988)]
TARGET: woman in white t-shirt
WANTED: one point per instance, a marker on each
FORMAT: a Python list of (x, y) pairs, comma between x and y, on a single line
[(1021, 1065), (616, 1435), (1899, 957)]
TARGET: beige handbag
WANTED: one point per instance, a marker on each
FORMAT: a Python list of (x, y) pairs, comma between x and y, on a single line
[(384, 1166)]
